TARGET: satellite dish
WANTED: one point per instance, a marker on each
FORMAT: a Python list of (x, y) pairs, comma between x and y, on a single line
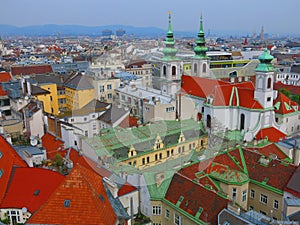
[(24, 210), (33, 142)]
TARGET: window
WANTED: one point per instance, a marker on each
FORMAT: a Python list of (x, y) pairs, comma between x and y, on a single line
[(109, 96), (160, 155), (85, 119), (204, 68), (0, 154), (155, 157), (177, 219), (233, 193), (148, 159), (268, 99), (1, 173), (143, 161), (109, 87), (156, 210), (244, 195), (170, 109), (252, 194), (173, 70), (67, 203), (147, 109), (167, 214), (269, 82), (101, 88), (168, 153), (86, 133), (275, 204), (51, 98), (263, 198)]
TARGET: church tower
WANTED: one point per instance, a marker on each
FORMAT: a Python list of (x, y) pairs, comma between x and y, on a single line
[(200, 62), (171, 66), (264, 74)]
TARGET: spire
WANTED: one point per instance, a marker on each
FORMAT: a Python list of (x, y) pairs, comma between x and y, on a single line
[(200, 50), (170, 51)]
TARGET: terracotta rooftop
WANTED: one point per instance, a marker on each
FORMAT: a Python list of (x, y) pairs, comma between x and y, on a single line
[(9, 159), (31, 69), (268, 150), (293, 89), (223, 93), (272, 133), (284, 105), (194, 197), (4, 77), (80, 199), (30, 188)]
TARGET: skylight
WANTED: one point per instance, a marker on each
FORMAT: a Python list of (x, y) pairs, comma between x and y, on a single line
[(67, 203)]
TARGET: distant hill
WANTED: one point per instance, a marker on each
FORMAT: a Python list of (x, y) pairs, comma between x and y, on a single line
[(75, 30)]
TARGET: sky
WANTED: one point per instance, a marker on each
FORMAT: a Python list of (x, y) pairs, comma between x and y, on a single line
[(277, 16)]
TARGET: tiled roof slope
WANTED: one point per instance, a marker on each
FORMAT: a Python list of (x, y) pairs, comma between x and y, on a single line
[(31, 69), (283, 105), (274, 174), (30, 188), (4, 77), (195, 196), (223, 93), (9, 158), (78, 82), (271, 149), (293, 185), (88, 202), (272, 133)]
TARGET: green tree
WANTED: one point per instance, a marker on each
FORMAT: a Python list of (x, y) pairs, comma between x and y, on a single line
[(285, 92)]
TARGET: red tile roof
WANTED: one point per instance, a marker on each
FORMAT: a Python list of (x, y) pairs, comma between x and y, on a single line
[(223, 93), (272, 133), (285, 105), (31, 69), (293, 89), (268, 150), (89, 203), (276, 173), (126, 189), (25, 182), (198, 86), (4, 77), (52, 145), (9, 158), (195, 196)]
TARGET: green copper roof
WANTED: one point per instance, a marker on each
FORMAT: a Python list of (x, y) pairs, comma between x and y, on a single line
[(158, 190), (170, 51), (265, 64), (200, 50)]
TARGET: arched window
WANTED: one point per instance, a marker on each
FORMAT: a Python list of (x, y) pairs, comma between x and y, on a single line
[(195, 68), (204, 68), (173, 70), (269, 82), (164, 70), (208, 121), (242, 122)]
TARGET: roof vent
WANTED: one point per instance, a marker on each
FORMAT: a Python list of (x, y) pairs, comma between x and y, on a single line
[(67, 203), (36, 192)]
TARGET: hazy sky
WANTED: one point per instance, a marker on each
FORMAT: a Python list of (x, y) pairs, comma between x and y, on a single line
[(277, 16)]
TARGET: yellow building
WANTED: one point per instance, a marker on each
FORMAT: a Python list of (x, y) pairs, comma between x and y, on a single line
[(146, 146), (79, 91), (50, 100)]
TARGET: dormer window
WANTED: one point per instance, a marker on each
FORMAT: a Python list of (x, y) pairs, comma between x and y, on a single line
[(158, 143)]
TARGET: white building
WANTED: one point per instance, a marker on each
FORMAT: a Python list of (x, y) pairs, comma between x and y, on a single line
[(240, 106)]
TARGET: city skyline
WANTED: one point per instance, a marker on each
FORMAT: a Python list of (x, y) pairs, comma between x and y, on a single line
[(218, 15)]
